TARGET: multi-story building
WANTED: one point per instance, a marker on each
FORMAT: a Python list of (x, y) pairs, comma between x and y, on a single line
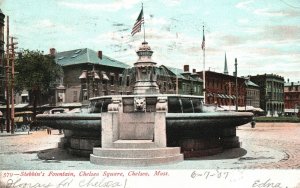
[(271, 93), (252, 94), (87, 73), (181, 81), (2, 88), (221, 89), (291, 97)]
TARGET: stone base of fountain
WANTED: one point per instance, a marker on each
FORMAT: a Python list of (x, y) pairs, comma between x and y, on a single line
[(134, 139), (79, 143), (135, 153)]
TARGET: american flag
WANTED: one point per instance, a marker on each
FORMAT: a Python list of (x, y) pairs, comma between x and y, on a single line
[(138, 23), (203, 41)]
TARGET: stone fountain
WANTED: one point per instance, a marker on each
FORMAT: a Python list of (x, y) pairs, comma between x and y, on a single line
[(146, 128)]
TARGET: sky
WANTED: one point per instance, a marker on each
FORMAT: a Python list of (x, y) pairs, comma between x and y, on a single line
[(264, 35)]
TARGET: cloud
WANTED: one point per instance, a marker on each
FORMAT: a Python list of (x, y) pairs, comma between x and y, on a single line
[(264, 51), (244, 4), (267, 12), (111, 7), (172, 2), (277, 13), (243, 21), (48, 25), (231, 40), (292, 13), (282, 33), (45, 24), (1, 2)]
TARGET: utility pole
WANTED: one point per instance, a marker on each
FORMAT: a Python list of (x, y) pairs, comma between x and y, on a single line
[(7, 78), (229, 93), (236, 86), (12, 49)]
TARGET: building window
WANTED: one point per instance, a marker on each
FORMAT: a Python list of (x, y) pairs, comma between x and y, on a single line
[(188, 88), (165, 86), (170, 86), (85, 95), (120, 80), (74, 96), (127, 81), (2, 34), (112, 79)]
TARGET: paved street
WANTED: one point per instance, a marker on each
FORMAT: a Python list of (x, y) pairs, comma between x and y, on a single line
[(268, 146)]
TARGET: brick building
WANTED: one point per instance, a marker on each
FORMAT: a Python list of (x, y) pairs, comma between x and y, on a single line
[(220, 88), (291, 97), (271, 93)]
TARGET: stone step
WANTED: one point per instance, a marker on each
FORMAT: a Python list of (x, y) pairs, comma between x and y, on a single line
[(133, 144), (136, 152), (112, 161)]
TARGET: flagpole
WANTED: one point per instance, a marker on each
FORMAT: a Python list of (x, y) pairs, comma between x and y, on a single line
[(144, 23), (204, 92)]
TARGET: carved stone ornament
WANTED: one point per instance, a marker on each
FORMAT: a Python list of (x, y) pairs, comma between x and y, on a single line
[(139, 104), (115, 105), (162, 105)]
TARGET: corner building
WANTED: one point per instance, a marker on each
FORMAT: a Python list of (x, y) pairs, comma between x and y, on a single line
[(271, 93)]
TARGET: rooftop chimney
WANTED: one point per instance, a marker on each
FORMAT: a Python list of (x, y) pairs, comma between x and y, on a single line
[(100, 54), (52, 51), (186, 68)]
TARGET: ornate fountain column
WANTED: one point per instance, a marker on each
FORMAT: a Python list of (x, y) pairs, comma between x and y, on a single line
[(145, 72), (131, 134)]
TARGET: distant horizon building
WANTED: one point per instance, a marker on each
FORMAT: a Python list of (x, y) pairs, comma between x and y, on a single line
[(291, 97)]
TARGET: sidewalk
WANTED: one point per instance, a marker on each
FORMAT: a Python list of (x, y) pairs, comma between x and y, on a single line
[(4, 134)]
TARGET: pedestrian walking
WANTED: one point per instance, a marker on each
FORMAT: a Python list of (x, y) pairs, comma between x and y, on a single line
[(48, 130)]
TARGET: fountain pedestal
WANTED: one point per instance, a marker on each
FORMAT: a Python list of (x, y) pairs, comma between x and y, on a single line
[(134, 139)]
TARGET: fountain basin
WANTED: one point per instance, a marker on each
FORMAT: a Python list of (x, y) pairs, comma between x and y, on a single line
[(197, 133), (92, 122), (208, 120), (73, 121)]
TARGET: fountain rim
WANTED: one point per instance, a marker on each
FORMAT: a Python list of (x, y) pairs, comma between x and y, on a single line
[(146, 95)]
